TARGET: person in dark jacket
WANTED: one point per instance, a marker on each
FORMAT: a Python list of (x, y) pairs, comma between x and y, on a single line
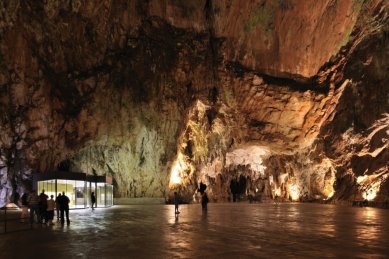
[(64, 207), (24, 214), (42, 206), (176, 202), (204, 201), (33, 202), (58, 206), (93, 200)]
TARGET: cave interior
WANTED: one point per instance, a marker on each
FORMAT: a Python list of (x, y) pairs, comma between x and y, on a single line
[(281, 100)]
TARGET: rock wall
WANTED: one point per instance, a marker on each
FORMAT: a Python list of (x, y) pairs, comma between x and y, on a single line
[(281, 99)]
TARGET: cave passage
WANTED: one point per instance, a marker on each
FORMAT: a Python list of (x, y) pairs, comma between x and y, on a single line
[(238, 188)]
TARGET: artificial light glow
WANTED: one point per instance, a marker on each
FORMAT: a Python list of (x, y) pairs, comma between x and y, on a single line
[(370, 185), (293, 192), (361, 179), (251, 156), (12, 206), (175, 177), (277, 191), (370, 194), (330, 195), (180, 170)]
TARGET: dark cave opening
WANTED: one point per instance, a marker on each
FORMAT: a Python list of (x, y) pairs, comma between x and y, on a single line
[(238, 187)]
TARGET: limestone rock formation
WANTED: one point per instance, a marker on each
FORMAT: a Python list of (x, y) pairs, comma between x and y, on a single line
[(278, 99)]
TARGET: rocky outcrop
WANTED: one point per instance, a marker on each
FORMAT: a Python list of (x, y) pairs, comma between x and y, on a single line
[(279, 99)]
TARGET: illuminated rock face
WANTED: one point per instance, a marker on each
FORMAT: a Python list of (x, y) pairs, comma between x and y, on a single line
[(279, 99)]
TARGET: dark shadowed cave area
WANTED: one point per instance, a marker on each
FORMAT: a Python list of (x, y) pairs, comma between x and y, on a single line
[(283, 100)]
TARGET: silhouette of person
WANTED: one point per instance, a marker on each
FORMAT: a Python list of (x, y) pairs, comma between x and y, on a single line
[(93, 200), (33, 202), (42, 207), (64, 207), (16, 197), (58, 205), (204, 201), (24, 207), (176, 202)]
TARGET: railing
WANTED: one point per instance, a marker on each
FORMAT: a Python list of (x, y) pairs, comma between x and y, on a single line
[(10, 221)]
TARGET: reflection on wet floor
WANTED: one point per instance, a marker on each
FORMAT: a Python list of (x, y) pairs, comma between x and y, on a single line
[(232, 230)]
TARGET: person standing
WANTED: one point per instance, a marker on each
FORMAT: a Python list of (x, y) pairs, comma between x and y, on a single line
[(64, 207), (50, 210), (42, 206), (24, 207), (93, 200), (176, 202), (33, 202), (58, 206), (204, 201)]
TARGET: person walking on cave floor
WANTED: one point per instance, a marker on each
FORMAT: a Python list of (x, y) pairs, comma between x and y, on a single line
[(176, 200), (93, 200)]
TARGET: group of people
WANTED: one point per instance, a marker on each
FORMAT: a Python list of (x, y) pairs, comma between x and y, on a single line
[(42, 207)]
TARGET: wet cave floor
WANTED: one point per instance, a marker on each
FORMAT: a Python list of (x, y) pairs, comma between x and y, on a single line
[(227, 230)]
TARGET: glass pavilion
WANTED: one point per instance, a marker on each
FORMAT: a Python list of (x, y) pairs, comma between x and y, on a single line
[(77, 186)]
